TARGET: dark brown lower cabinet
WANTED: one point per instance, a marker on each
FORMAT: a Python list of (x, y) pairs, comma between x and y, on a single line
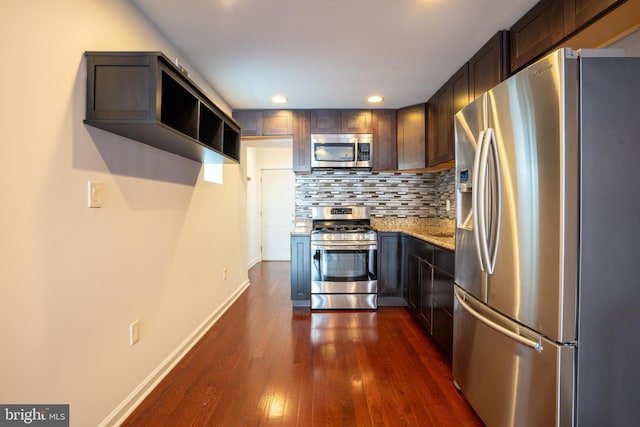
[(301, 271), (390, 269), (429, 282)]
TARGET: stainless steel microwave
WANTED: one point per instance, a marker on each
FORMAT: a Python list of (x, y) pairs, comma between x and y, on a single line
[(352, 150)]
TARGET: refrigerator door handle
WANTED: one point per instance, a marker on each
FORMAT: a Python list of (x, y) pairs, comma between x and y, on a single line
[(536, 345), (475, 197), (481, 195), (491, 136)]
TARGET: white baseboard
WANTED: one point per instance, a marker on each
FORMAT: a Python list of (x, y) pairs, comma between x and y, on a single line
[(253, 263), (131, 402)]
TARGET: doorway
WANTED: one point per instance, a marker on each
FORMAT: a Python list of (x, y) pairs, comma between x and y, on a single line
[(278, 210)]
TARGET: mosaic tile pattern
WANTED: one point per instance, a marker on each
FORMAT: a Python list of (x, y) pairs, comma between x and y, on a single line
[(401, 195)]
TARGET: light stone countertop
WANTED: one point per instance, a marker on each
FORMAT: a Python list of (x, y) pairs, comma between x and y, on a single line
[(434, 231), (431, 230)]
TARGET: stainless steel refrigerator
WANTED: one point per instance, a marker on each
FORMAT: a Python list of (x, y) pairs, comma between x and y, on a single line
[(547, 314)]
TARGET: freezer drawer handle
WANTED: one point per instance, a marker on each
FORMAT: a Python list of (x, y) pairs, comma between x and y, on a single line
[(537, 346)]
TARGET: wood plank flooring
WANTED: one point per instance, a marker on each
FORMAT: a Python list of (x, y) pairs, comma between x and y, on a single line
[(265, 363)]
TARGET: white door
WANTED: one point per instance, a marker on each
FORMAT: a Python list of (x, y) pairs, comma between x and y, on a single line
[(278, 210)]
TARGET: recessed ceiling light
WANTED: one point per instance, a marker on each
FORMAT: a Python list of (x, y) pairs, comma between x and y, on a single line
[(279, 99), (375, 99)]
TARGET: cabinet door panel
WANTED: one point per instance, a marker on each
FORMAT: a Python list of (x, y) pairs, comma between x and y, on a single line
[(426, 295), (389, 262), (250, 122), (300, 268), (577, 13), (384, 140), (413, 281), (443, 328), (356, 121), (536, 33), (411, 137), (277, 122), (325, 121), (301, 141), (488, 66)]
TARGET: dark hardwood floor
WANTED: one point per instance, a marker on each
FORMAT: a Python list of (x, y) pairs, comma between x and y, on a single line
[(266, 363)]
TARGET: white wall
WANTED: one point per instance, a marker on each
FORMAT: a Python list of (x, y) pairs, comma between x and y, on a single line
[(73, 278), (261, 154)]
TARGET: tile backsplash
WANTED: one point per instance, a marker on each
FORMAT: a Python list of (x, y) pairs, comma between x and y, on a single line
[(394, 194)]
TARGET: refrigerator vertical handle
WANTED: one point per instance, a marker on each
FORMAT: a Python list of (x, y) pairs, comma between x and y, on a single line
[(497, 203), (481, 194), (477, 193)]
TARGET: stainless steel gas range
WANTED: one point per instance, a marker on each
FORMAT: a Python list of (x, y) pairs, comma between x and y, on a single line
[(343, 259)]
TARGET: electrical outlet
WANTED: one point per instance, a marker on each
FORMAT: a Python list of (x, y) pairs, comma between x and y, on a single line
[(448, 205), (134, 332), (224, 273)]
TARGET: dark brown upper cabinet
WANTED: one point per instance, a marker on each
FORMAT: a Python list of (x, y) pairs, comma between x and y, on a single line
[(490, 65), (301, 141), (145, 97), (385, 157), (277, 122), (550, 22), (265, 122), (452, 97), (250, 122), (536, 33), (356, 121), (578, 13), (341, 121), (411, 137)]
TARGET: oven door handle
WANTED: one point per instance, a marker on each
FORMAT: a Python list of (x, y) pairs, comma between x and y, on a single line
[(336, 246)]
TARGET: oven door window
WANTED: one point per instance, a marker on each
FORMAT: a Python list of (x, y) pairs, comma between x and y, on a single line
[(329, 265), (338, 152)]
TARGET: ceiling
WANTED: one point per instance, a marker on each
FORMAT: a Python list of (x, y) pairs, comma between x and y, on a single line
[(329, 53)]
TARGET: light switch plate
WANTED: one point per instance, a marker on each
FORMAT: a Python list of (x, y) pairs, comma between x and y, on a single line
[(94, 194)]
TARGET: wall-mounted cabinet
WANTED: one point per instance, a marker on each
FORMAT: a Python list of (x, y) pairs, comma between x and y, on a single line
[(341, 121), (143, 96), (548, 23), (385, 152), (578, 13), (265, 122), (411, 137), (490, 65), (452, 97), (301, 141)]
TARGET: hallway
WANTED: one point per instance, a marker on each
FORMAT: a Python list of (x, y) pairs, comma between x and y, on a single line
[(266, 363)]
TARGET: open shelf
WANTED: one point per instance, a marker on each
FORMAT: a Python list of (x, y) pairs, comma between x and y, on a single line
[(143, 96), (179, 108), (210, 128)]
